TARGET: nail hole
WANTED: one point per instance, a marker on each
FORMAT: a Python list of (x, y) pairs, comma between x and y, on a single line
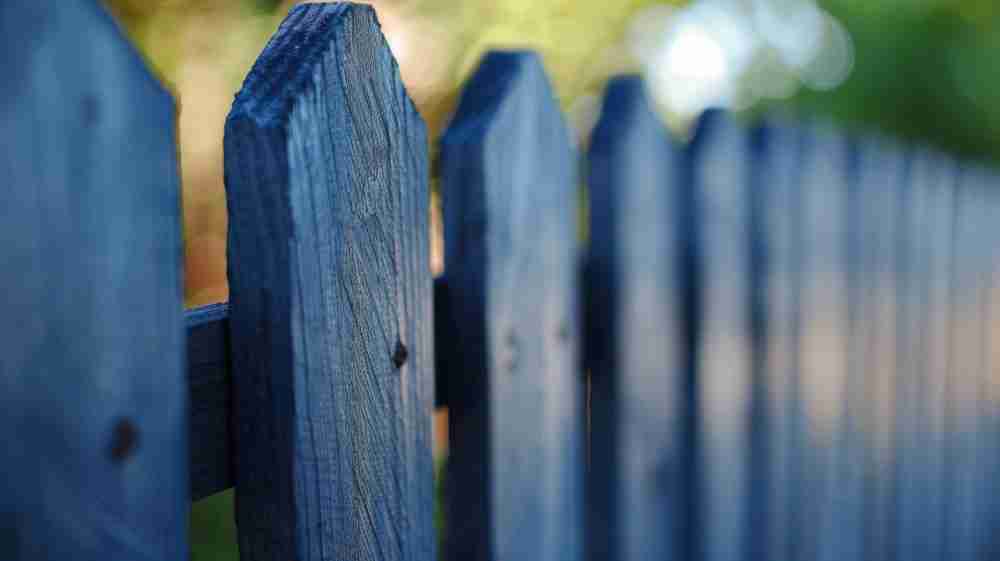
[(400, 354), (124, 440)]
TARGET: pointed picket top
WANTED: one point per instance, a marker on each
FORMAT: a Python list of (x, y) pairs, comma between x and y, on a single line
[(639, 354), (93, 398), (509, 191), (503, 80), (330, 297)]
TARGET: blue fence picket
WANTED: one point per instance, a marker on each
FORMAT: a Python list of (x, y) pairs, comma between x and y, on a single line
[(991, 372), (330, 310), (965, 457), (642, 388), (881, 173), (721, 180), (508, 180), (827, 525), (982, 438), (937, 353), (913, 482), (93, 400), (779, 158)]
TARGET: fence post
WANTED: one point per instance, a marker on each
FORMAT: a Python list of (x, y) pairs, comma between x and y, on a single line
[(330, 307), (637, 345), (93, 400), (509, 182)]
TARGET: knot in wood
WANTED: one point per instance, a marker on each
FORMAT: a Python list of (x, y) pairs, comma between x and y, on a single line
[(399, 355), (124, 440)]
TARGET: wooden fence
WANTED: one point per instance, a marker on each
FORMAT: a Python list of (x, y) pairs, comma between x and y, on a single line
[(776, 344)]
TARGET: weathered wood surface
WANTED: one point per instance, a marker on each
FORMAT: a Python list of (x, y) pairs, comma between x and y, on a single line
[(509, 191), (93, 401), (210, 380), (330, 297), (639, 353)]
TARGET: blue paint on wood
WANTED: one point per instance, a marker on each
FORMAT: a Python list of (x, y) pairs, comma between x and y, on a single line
[(509, 192), (991, 374), (721, 179), (875, 335), (915, 486), (934, 182), (778, 179), (829, 486), (637, 347), (979, 181), (93, 401), (330, 310), (210, 383), (965, 460)]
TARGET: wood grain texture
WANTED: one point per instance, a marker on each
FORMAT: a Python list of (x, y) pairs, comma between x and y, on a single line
[(509, 187), (330, 307), (93, 401), (210, 381), (641, 277)]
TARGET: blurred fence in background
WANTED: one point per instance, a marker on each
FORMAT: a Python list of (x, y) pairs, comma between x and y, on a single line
[(777, 342)]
